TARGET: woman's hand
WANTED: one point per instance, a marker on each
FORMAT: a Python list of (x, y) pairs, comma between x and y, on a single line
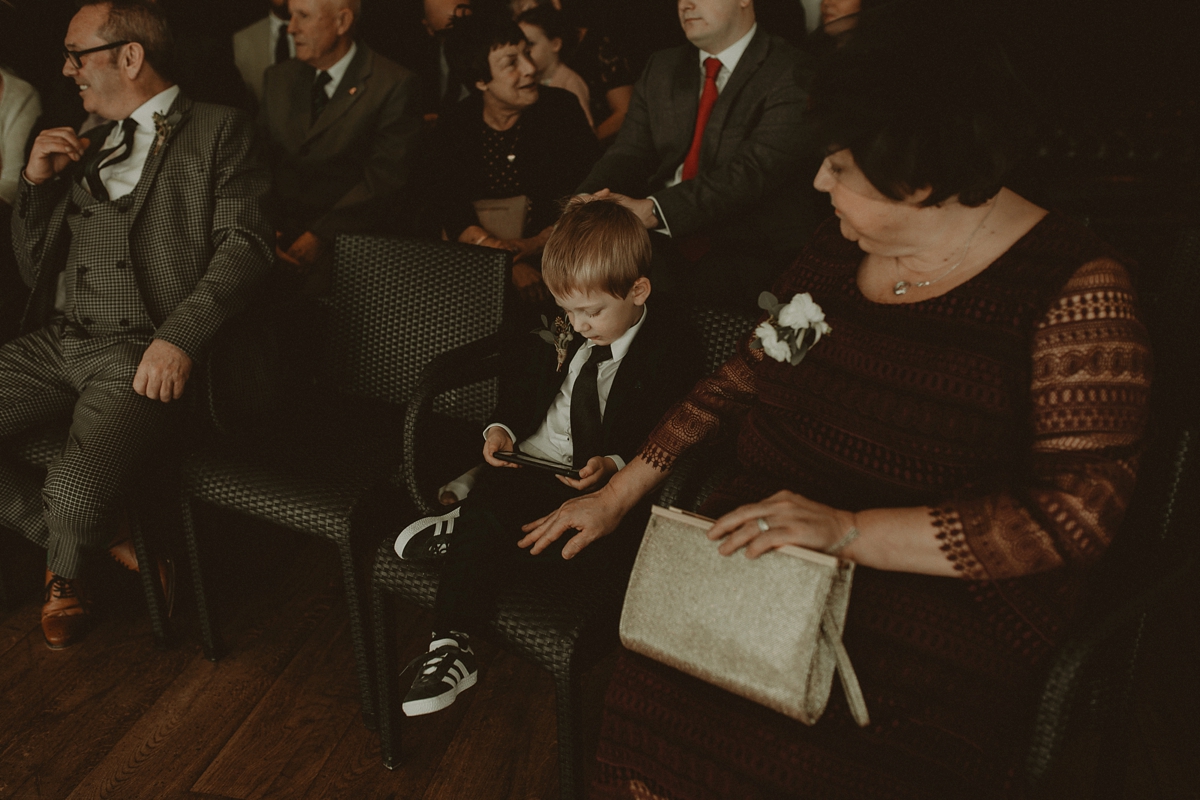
[(789, 519), (592, 515), (496, 440), (529, 283), (595, 472)]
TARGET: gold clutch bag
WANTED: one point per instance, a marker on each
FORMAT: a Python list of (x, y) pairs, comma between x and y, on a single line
[(768, 629)]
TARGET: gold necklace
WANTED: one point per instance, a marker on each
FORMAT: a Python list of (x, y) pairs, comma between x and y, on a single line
[(903, 286)]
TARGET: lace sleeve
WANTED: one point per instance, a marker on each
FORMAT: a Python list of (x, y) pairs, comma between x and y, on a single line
[(717, 403), (1089, 394)]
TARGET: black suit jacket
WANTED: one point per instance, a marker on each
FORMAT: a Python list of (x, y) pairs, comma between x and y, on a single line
[(343, 173), (662, 365), (756, 158), (555, 149)]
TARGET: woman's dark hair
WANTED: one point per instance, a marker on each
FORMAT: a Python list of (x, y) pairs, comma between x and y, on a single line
[(922, 96), (546, 18), (471, 38), (143, 22)]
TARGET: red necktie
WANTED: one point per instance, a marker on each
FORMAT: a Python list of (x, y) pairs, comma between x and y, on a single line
[(691, 164)]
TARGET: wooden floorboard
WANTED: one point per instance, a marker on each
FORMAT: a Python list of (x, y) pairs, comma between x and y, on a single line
[(277, 717)]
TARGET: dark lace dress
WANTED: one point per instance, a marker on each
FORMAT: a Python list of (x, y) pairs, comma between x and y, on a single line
[(1013, 406)]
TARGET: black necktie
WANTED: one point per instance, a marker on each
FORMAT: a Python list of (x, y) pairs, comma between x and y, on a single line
[(587, 433), (319, 98), (91, 169), (282, 51)]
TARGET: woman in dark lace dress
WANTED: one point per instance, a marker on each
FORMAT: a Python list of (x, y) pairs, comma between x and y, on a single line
[(510, 138), (969, 431)]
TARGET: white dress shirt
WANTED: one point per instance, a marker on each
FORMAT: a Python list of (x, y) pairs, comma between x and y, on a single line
[(552, 439), (338, 70), (121, 178), (729, 58), (278, 28)]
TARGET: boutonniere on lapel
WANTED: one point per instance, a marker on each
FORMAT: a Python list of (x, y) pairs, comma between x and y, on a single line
[(560, 336), (791, 329), (164, 126)]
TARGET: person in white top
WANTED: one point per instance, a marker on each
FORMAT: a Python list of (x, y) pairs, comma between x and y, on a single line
[(20, 108), (261, 44), (542, 27)]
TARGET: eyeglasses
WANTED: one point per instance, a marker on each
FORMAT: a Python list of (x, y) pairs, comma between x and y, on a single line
[(75, 56)]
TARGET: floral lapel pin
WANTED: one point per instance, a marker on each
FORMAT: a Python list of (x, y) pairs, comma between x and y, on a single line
[(791, 329), (560, 337), (164, 126)]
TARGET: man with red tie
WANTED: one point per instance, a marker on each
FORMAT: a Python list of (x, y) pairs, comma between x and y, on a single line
[(713, 156)]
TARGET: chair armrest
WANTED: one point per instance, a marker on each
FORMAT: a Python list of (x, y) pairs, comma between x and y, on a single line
[(470, 363)]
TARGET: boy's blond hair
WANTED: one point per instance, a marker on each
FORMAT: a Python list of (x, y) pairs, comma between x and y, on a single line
[(597, 245)]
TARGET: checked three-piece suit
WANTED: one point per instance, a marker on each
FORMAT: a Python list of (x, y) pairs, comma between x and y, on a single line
[(172, 260), (661, 366)]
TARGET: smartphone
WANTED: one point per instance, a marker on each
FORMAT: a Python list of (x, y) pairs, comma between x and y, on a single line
[(525, 460)]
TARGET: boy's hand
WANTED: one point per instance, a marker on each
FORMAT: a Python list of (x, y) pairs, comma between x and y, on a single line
[(594, 473), (497, 439)]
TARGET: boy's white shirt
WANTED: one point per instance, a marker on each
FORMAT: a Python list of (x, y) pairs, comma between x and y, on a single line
[(552, 440)]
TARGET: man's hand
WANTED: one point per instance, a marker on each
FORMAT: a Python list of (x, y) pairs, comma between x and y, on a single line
[(54, 150), (644, 209), (163, 372), (595, 472), (305, 250), (497, 439)]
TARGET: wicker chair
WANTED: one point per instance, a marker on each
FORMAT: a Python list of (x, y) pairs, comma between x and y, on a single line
[(327, 464), (1087, 697), (564, 627), (37, 448)]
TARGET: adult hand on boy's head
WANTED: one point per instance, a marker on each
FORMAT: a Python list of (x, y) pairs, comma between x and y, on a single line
[(595, 473), (496, 440)]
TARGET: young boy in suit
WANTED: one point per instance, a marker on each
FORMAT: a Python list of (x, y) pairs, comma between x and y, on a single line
[(587, 402)]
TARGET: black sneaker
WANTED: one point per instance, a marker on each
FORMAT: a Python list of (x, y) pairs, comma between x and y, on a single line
[(426, 539), (447, 669)]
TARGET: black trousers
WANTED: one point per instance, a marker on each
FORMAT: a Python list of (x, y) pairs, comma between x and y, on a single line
[(483, 550), (47, 375)]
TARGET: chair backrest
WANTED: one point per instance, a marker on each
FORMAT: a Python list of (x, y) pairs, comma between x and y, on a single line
[(397, 303), (721, 330)]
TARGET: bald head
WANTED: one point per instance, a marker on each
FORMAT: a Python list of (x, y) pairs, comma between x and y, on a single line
[(323, 30)]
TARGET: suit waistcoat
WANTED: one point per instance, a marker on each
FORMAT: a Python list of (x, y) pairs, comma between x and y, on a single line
[(102, 292)]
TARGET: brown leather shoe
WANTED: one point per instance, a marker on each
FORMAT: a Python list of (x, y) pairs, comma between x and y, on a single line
[(125, 555), (66, 613)]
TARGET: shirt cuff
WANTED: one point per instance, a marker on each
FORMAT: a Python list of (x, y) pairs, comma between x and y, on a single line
[(503, 427), (620, 462), (665, 228)]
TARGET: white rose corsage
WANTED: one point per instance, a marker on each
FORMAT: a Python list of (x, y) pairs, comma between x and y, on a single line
[(792, 328)]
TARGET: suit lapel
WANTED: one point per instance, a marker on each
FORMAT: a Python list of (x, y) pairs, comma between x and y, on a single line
[(628, 381), (154, 158), (685, 101), (748, 64), (349, 89)]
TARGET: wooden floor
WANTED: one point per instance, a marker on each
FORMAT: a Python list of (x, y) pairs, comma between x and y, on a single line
[(278, 717)]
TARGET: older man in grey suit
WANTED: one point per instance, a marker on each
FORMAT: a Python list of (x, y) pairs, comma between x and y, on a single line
[(341, 124), (138, 242), (713, 155)]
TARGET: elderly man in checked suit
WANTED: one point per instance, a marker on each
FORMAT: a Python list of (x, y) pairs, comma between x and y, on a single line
[(340, 124), (138, 241), (713, 156)]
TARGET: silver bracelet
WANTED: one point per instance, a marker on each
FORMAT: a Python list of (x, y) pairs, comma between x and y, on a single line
[(843, 543)]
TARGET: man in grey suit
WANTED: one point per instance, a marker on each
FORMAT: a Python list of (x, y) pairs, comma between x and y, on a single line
[(713, 155), (261, 44), (138, 242), (340, 124)]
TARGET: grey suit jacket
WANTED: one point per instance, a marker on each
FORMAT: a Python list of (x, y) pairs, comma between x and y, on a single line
[(199, 241), (252, 54), (343, 173), (752, 187)]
